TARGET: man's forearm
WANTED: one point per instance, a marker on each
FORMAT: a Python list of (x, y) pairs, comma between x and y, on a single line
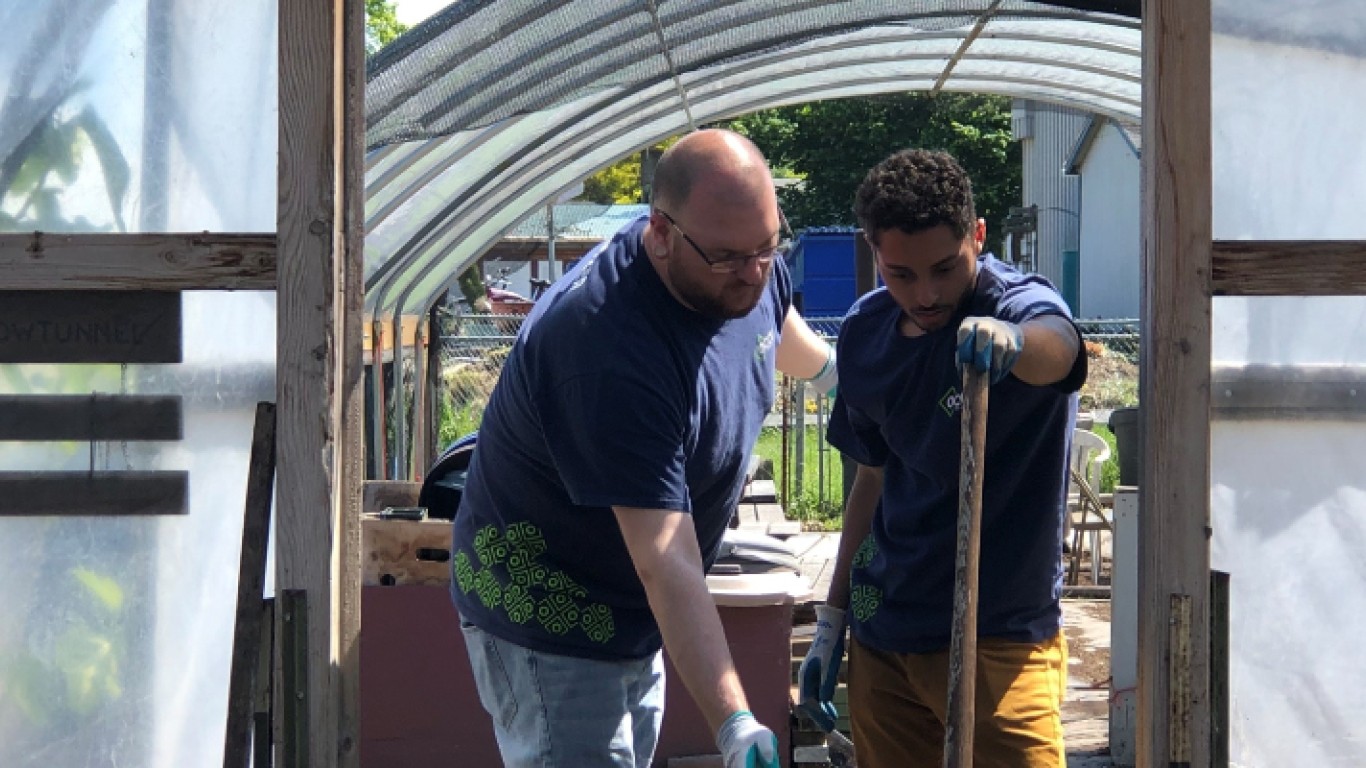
[(692, 631), (1050, 348), (667, 558), (801, 353), (858, 522)]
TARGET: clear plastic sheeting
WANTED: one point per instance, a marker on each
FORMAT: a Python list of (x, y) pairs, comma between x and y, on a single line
[(1288, 488), (138, 116), (467, 174), (1288, 114), (477, 63), (1289, 512), (117, 635), (1289, 509)]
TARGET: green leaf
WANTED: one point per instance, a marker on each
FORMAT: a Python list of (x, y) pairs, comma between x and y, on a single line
[(89, 664), (102, 588), (116, 172), (29, 685)]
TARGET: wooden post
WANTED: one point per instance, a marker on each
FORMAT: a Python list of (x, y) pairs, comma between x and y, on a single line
[(958, 732), (318, 373), (1174, 487), (251, 577), (421, 425), (435, 390), (349, 370)]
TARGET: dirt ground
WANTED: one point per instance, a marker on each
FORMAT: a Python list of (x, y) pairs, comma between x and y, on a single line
[(1086, 708)]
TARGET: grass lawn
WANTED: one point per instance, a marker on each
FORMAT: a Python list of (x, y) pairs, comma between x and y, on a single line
[(1109, 477), (820, 505)]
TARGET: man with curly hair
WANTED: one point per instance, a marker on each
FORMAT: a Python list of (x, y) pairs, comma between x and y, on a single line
[(901, 348)]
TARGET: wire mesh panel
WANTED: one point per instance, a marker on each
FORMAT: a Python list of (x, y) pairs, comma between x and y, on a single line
[(807, 472), (1112, 357), (472, 357)]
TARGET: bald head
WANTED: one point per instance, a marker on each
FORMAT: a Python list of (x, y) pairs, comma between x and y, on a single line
[(722, 164)]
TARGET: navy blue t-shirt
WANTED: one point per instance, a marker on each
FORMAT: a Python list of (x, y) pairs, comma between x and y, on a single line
[(614, 394), (898, 408)]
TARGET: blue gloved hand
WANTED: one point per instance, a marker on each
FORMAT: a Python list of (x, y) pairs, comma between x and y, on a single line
[(989, 345), (819, 672), (746, 744)]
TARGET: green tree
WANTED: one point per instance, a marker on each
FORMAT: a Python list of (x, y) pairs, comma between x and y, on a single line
[(832, 144), (381, 24), (619, 183)]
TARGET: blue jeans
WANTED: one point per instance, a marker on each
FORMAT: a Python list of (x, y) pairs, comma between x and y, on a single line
[(551, 710)]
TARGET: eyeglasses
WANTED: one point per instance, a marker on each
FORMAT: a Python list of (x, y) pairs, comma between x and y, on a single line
[(728, 264)]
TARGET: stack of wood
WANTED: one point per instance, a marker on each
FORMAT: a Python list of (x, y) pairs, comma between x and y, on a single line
[(758, 509)]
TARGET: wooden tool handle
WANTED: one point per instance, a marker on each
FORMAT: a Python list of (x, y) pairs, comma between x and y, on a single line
[(963, 648)]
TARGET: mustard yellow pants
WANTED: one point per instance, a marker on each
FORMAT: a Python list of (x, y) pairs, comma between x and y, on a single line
[(897, 704)]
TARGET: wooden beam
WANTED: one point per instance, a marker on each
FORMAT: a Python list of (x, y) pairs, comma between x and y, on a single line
[(90, 417), (138, 262), (1289, 268), (318, 343), (350, 373), (1175, 380), (93, 493)]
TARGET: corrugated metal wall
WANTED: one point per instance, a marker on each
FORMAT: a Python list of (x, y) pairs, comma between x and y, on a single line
[(1047, 134)]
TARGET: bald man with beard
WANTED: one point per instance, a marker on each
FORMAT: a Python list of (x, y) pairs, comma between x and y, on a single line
[(609, 463)]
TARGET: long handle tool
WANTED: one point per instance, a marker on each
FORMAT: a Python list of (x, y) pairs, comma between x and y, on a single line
[(963, 647)]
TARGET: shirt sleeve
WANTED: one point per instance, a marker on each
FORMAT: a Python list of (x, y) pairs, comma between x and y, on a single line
[(782, 287), (855, 435), (1033, 297), (617, 439)]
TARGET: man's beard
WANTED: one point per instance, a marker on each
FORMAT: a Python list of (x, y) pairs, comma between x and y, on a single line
[(737, 301)]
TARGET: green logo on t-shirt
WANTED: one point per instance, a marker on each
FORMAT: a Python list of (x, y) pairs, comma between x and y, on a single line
[(951, 402), (505, 572), (763, 342)]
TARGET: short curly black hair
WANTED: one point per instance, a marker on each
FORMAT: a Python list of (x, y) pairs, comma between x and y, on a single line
[(914, 190)]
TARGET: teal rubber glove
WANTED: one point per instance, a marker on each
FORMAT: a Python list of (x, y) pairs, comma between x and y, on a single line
[(746, 744), (827, 379), (819, 673), (989, 345)]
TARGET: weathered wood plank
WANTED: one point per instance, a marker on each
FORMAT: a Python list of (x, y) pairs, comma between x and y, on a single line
[(399, 552), (94, 493), (90, 417), (1180, 691), (251, 576), (351, 381), (142, 262), (90, 327), (1174, 488), (317, 526), (1289, 268)]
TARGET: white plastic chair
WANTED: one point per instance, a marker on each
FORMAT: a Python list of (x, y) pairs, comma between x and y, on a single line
[(1085, 468)]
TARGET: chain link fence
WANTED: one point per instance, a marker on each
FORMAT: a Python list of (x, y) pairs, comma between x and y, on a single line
[(808, 474)]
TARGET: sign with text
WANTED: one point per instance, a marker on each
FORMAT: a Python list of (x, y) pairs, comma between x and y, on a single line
[(90, 327)]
